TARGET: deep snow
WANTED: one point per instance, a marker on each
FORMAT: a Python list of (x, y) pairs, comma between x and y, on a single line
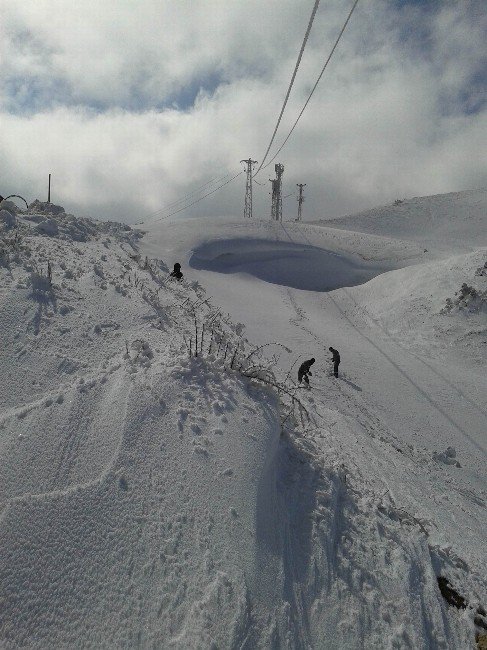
[(300, 265), (155, 500)]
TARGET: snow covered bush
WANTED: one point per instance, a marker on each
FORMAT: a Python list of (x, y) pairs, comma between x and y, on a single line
[(482, 270), (467, 299), (11, 248)]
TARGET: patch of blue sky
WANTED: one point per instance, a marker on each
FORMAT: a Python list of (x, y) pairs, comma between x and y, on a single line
[(427, 5), (184, 99), (473, 96), (27, 95)]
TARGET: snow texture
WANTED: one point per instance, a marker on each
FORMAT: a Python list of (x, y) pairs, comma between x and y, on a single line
[(153, 498)]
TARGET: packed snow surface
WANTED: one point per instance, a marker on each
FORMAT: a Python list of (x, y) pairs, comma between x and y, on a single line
[(157, 499)]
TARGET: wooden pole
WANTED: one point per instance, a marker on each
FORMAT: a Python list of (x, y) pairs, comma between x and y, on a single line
[(49, 190)]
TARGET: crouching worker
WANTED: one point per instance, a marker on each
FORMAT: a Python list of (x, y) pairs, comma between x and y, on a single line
[(176, 272), (335, 360), (304, 371)]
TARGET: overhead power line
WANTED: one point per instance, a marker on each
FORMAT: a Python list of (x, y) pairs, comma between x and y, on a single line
[(316, 84), (166, 216), (164, 208), (315, 8)]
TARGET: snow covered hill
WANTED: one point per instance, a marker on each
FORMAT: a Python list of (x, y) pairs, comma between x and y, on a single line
[(152, 498)]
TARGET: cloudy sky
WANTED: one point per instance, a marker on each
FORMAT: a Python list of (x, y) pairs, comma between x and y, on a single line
[(133, 104)]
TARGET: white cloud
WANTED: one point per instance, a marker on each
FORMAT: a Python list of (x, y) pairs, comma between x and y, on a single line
[(86, 92)]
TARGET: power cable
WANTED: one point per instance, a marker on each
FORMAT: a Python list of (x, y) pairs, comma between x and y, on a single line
[(316, 84), (183, 198), (315, 8), (201, 198)]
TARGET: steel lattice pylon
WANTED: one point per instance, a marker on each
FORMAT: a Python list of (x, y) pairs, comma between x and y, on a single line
[(248, 187), (300, 200)]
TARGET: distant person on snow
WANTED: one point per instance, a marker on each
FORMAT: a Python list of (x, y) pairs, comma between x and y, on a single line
[(304, 371), (176, 272), (336, 360)]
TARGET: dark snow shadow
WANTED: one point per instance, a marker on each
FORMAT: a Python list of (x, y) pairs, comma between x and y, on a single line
[(45, 299), (286, 500), (299, 266), (350, 383)]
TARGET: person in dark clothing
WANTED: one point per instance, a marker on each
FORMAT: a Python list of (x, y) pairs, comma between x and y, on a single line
[(336, 360), (304, 371), (176, 272)]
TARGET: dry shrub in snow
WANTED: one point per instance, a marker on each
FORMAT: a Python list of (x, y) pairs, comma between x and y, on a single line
[(482, 270), (468, 300)]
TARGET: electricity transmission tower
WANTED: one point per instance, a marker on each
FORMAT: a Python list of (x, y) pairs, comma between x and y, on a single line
[(276, 206), (248, 187), (300, 200)]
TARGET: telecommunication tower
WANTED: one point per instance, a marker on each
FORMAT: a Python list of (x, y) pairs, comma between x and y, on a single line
[(300, 199), (276, 206), (248, 187)]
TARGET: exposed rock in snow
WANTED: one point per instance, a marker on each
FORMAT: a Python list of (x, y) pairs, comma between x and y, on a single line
[(447, 457)]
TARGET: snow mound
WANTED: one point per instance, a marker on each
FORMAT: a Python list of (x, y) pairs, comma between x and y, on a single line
[(129, 471), (48, 227), (46, 208), (7, 218), (409, 304)]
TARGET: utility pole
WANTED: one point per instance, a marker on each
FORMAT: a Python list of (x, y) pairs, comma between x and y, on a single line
[(248, 187), (300, 199), (49, 190), (276, 205)]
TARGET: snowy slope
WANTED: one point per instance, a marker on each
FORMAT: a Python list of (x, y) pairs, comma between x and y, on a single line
[(407, 420), (150, 499), (448, 222), (128, 470)]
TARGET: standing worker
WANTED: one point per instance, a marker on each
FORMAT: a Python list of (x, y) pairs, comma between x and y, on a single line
[(304, 370), (336, 360)]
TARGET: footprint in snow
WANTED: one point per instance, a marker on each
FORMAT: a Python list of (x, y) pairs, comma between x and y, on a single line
[(218, 408), (198, 449), (183, 414)]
